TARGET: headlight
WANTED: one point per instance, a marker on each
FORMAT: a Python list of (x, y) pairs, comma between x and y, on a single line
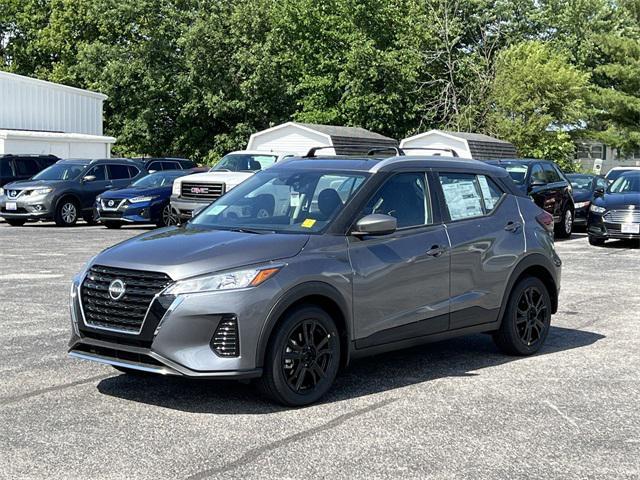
[(84, 269), (1, 192), (175, 189), (140, 199), (582, 204), (223, 281), (597, 209), (41, 191)]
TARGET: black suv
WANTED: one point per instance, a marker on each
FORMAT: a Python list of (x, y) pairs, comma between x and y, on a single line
[(22, 167), (543, 181), (156, 164), (66, 190)]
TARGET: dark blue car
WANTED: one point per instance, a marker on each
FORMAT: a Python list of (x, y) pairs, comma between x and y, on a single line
[(144, 201)]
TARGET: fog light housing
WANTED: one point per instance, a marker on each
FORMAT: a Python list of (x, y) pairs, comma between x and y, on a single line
[(225, 341)]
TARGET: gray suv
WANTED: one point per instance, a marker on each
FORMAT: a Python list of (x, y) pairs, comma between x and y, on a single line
[(353, 258), (66, 190)]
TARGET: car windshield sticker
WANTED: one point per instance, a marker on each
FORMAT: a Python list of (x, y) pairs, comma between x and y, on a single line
[(295, 199), (486, 193), (308, 223)]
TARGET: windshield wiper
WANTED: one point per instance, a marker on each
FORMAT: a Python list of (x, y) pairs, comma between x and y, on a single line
[(250, 230)]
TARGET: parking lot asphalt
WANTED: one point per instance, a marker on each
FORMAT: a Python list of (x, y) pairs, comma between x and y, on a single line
[(456, 409)]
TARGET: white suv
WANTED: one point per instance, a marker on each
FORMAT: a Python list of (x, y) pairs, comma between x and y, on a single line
[(193, 192)]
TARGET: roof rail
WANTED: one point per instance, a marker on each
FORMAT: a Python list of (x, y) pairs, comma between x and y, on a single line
[(450, 150), (371, 149)]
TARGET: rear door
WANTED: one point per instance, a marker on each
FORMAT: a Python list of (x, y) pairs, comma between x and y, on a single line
[(401, 280), (119, 175), (484, 226)]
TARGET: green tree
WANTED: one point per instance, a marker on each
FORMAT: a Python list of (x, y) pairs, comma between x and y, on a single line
[(539, 100)]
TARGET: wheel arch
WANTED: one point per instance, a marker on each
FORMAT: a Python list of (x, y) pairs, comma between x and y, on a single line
[(319, 294), (535, 265), (71, 195)]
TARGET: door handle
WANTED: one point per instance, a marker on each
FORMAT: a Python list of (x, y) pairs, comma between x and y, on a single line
[(436, 251), (512, 226)]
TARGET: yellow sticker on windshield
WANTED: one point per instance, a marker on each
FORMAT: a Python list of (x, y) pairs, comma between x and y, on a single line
[(308, 223)]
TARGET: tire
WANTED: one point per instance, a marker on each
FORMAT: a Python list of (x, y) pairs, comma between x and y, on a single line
[(66, 214), (90, 218), (112, 225), (565, 227), (168, 217), (526, 320), (596, 242), (15, 222), (302, 358)]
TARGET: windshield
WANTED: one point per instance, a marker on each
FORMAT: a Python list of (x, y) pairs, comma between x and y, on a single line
[(627, 183), (159, 179), (61, 171), (244, 162), (580, 182), (517, 172), (282, 201)]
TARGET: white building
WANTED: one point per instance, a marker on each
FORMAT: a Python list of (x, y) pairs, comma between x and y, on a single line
[(466, 145), (298, 138), (39, 117)]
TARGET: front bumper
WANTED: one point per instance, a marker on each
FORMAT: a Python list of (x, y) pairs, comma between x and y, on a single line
[(176, 339), (141, 212), (580, 216), (185, 208), (27, 208), (599, 228)]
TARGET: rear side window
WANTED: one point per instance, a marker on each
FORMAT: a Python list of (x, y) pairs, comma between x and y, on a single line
[(5, 168), (26, 166), (118, 172), (155, 166), (404, 196), (171, 166), (551, 173), (468, 195), (133, 171)]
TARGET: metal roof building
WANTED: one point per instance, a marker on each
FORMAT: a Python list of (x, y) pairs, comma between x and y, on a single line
[(469, 145), (40, 117), (298, 138)]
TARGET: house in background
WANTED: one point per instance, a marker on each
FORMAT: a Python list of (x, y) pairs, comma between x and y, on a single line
[(298, 138), (38, 117), (597, 157), (466, 145)]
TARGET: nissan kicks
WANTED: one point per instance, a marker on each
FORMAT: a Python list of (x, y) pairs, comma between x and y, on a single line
[(317, 261)]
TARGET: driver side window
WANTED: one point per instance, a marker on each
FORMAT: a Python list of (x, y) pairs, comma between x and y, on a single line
[(404, 196), (537, 174), (98, 171)]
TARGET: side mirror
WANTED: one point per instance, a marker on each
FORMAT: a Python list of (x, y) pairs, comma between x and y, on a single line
[(598, 192), (376, 224), (89, 178)]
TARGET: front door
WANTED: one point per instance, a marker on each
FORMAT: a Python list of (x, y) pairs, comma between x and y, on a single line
[(91, 189), (401, 280)]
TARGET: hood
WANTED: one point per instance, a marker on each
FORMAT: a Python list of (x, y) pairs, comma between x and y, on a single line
[(581, 195), (613, 201), (187, 252), (30, 184), (130, 192), (230, 179)]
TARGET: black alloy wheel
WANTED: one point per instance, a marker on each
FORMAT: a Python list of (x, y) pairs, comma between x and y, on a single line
[(303, 357), (565, 227), (168, 217), (527, 318)]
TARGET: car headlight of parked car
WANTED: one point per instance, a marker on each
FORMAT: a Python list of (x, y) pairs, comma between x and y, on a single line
[(141, 199), (40, 192), (175, 189), (582, 204), (1, 192), (223, 281), (597, 209)]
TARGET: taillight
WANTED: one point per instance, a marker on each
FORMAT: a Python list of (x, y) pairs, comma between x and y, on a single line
[(546, 220)]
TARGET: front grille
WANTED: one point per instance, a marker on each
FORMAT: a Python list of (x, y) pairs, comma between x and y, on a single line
[(622, 216), (225, 340), (202, 191), (105, 204), (127, 313)]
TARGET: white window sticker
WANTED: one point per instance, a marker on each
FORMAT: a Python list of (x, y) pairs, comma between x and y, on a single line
[(216, 209), (486, 193), (294, 199)]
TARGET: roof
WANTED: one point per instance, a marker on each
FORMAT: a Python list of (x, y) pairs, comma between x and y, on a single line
[(383, 164), (475, 137), (481, 147), (523, 161), (50, 85), (351, 132)]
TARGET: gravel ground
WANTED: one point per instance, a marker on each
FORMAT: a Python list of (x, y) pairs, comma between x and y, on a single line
[(456, 409)]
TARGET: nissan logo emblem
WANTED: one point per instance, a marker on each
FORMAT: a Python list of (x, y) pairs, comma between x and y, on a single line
[(117, 289), (111, 203)]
